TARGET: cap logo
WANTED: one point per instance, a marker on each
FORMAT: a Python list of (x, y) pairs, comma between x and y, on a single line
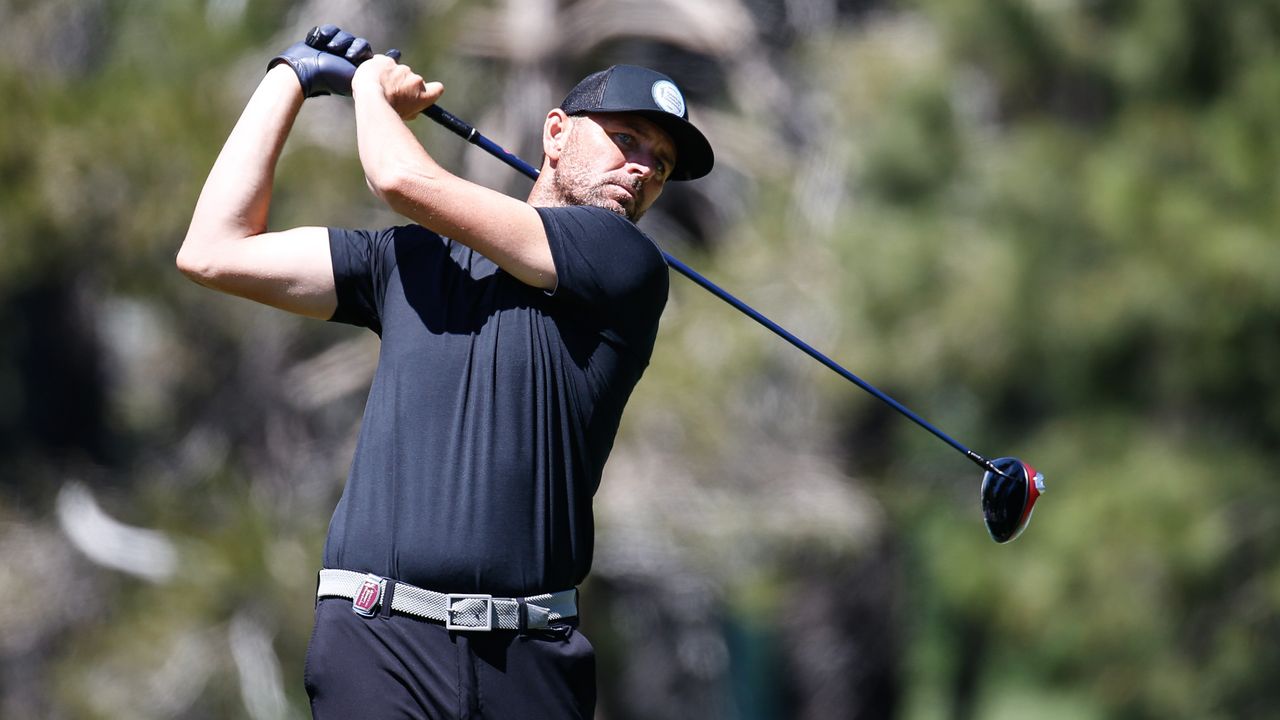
[(668, 97)]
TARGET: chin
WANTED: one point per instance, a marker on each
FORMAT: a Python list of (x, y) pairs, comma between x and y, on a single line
[(614, 207)]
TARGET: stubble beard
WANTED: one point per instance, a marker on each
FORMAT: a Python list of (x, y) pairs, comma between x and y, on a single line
[(574, 185)]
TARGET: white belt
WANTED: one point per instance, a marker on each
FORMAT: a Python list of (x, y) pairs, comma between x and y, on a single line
[(457, 611)]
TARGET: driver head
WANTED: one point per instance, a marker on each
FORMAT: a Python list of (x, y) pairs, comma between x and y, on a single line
[(1008, 497)]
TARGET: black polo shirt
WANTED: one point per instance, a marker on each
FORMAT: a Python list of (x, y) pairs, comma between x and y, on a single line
[(494, 405)]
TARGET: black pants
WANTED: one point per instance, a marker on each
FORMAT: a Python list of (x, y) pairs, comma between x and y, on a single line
[(397, 666)]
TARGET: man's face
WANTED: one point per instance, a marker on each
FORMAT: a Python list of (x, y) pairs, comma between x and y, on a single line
[(615, 161)]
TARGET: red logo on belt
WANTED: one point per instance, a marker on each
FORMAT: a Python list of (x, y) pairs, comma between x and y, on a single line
[(366, 598)]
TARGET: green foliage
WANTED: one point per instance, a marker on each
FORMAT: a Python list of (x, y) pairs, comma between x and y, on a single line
[(1096, 265)]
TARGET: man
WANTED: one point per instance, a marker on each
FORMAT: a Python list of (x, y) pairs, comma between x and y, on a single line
[(512, 335)]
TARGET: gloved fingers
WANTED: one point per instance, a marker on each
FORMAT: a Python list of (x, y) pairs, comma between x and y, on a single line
[(320, 35), (394, 54), (340, 43), (359, 51), (326, 61)]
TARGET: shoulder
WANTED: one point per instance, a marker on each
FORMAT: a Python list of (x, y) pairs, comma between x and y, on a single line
[(379, 236), (387, 240), (586, 225), (603, 259), (585, 218)]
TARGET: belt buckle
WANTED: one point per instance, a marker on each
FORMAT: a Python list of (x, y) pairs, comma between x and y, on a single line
[(449, 612), (368, 596)]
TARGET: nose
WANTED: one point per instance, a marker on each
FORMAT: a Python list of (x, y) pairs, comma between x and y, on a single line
[(642, 164)]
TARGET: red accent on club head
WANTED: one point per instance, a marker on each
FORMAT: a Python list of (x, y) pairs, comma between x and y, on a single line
[(1033, 494)]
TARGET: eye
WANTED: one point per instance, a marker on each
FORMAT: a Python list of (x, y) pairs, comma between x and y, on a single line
[(625, 139)]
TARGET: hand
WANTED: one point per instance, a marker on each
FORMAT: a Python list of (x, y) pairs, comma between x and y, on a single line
[(403, 89), (326, 61)]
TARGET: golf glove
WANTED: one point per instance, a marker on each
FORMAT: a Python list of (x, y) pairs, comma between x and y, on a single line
[(326, 61)]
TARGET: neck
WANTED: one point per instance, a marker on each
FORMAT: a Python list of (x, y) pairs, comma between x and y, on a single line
[(543, 193)]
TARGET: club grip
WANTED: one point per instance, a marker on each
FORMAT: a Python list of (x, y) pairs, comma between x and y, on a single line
[(450, 121)]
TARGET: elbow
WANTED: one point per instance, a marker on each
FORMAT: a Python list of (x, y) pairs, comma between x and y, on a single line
[(190, 265), (388, 185), (400, 186), (194, 262)]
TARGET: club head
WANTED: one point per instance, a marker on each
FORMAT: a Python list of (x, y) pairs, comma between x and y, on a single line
[(1008, 497)]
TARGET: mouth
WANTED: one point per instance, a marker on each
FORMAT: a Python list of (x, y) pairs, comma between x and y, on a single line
[(631, 196)]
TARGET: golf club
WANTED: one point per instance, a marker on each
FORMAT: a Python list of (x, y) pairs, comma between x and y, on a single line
[(1010, 487)]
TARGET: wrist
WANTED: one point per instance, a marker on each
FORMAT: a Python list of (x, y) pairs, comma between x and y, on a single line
[(284, 79), (365, 82)]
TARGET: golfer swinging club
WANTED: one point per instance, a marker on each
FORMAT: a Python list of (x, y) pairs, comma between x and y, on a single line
[(512, 332)]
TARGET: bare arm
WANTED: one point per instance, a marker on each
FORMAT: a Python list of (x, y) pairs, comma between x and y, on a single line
[(227, 246), (401, 172)]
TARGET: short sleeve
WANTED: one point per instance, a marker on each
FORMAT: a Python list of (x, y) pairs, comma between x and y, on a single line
[(362, 263), (603, 260)]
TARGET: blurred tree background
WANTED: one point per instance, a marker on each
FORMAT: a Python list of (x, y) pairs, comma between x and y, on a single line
[(1046, 225)]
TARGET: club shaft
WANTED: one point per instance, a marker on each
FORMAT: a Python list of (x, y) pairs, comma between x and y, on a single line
[(465, 131), (821, 357), (473, 136)]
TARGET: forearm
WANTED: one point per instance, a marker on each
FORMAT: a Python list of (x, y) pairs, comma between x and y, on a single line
[(392, 158), (236, 198), (405, 176)]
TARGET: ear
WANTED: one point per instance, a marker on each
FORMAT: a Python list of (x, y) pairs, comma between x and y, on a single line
[(555, 133)]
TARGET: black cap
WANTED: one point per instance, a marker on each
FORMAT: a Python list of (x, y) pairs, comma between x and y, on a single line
[(632, 89)]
